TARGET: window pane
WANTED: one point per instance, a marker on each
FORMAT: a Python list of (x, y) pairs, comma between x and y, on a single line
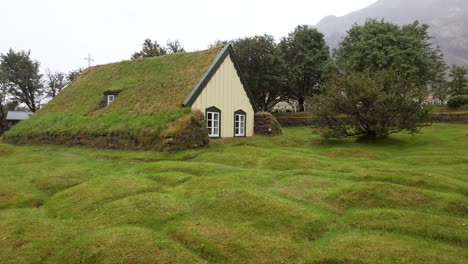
[(212, 123)]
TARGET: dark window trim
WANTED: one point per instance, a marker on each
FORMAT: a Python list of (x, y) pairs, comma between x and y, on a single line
[(216, 110), (240, 112)]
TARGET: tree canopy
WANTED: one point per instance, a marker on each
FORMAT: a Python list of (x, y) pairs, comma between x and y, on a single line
[(21, 75), (379, 45), (54, 83), (306, 57), (384, 74), (262, 67), (372, 105), (174, 46), (150, 49), (73, 74), (458, 84)]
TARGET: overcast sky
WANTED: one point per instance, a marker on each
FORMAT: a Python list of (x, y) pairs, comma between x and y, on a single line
[(60, 33)]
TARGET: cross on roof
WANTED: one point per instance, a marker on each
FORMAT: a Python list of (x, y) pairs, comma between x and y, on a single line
[(89, 59)]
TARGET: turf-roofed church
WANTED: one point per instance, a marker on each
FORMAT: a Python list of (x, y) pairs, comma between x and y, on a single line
[(174, 101)]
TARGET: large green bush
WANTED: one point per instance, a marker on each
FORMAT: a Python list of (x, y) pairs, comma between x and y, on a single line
[(370, 105), (457, 101)]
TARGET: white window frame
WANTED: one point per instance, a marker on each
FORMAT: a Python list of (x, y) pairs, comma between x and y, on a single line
[(214, 117), (109, 101), (239, 125)]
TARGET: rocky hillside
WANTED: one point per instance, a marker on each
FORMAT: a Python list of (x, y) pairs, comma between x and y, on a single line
[(448, 21)]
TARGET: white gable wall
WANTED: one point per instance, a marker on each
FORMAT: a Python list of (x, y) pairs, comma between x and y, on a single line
[(226, 92)]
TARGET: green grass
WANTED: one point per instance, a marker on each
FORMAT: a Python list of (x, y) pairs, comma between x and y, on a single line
[(295, 198)]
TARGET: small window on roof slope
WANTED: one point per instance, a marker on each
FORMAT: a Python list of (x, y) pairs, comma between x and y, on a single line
[(109, 97)]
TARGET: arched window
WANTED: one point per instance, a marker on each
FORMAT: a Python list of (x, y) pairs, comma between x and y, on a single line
[(213, 122), (239, 123)]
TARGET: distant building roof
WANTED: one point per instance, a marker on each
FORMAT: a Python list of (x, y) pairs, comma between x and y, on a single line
[(18, 115)]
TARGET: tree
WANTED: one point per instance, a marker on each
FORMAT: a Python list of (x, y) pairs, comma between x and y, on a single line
[(384, 74), (73, 74), (21, 76), (55, 82), (6, 104), (175, 46), (262, 67), (218, 43), (3, 102), (150, 49), (459, 80), (372, 105), (306, 57), (379, 45)]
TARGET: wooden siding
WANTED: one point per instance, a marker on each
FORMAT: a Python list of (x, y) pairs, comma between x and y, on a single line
[(225, 91)]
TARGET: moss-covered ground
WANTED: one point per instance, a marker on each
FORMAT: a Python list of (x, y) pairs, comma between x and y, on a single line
[(294, 198)]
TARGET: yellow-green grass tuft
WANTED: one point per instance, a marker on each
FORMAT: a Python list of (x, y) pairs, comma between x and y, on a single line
[(60, 180), (264, 213), (5, 150), (91, 195), (151, 210), (219, 242), (124, 244), (375, 247), (373, 194), (28, 236), (351, 153), (440, 227), (288, 163)]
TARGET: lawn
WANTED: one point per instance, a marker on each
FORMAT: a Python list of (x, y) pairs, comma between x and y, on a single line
[(294, 198)]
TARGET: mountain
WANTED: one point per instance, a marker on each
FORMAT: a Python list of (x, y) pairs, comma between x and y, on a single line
[(448, 21)]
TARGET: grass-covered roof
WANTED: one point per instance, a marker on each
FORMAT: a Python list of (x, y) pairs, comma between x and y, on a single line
[(151, 92), (146, 85)]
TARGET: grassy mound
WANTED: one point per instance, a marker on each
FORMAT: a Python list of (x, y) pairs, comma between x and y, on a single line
[(440, 227), (37, 237), (369, 247), (234, 243), (368, 195), (151, 92), (264, 213), (92, 194), (128, 245)]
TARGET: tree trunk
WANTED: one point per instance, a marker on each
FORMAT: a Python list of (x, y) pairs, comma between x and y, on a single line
[(301, 101)]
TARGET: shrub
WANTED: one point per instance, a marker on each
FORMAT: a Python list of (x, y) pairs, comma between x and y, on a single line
[(457, 101), (370, 105)]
